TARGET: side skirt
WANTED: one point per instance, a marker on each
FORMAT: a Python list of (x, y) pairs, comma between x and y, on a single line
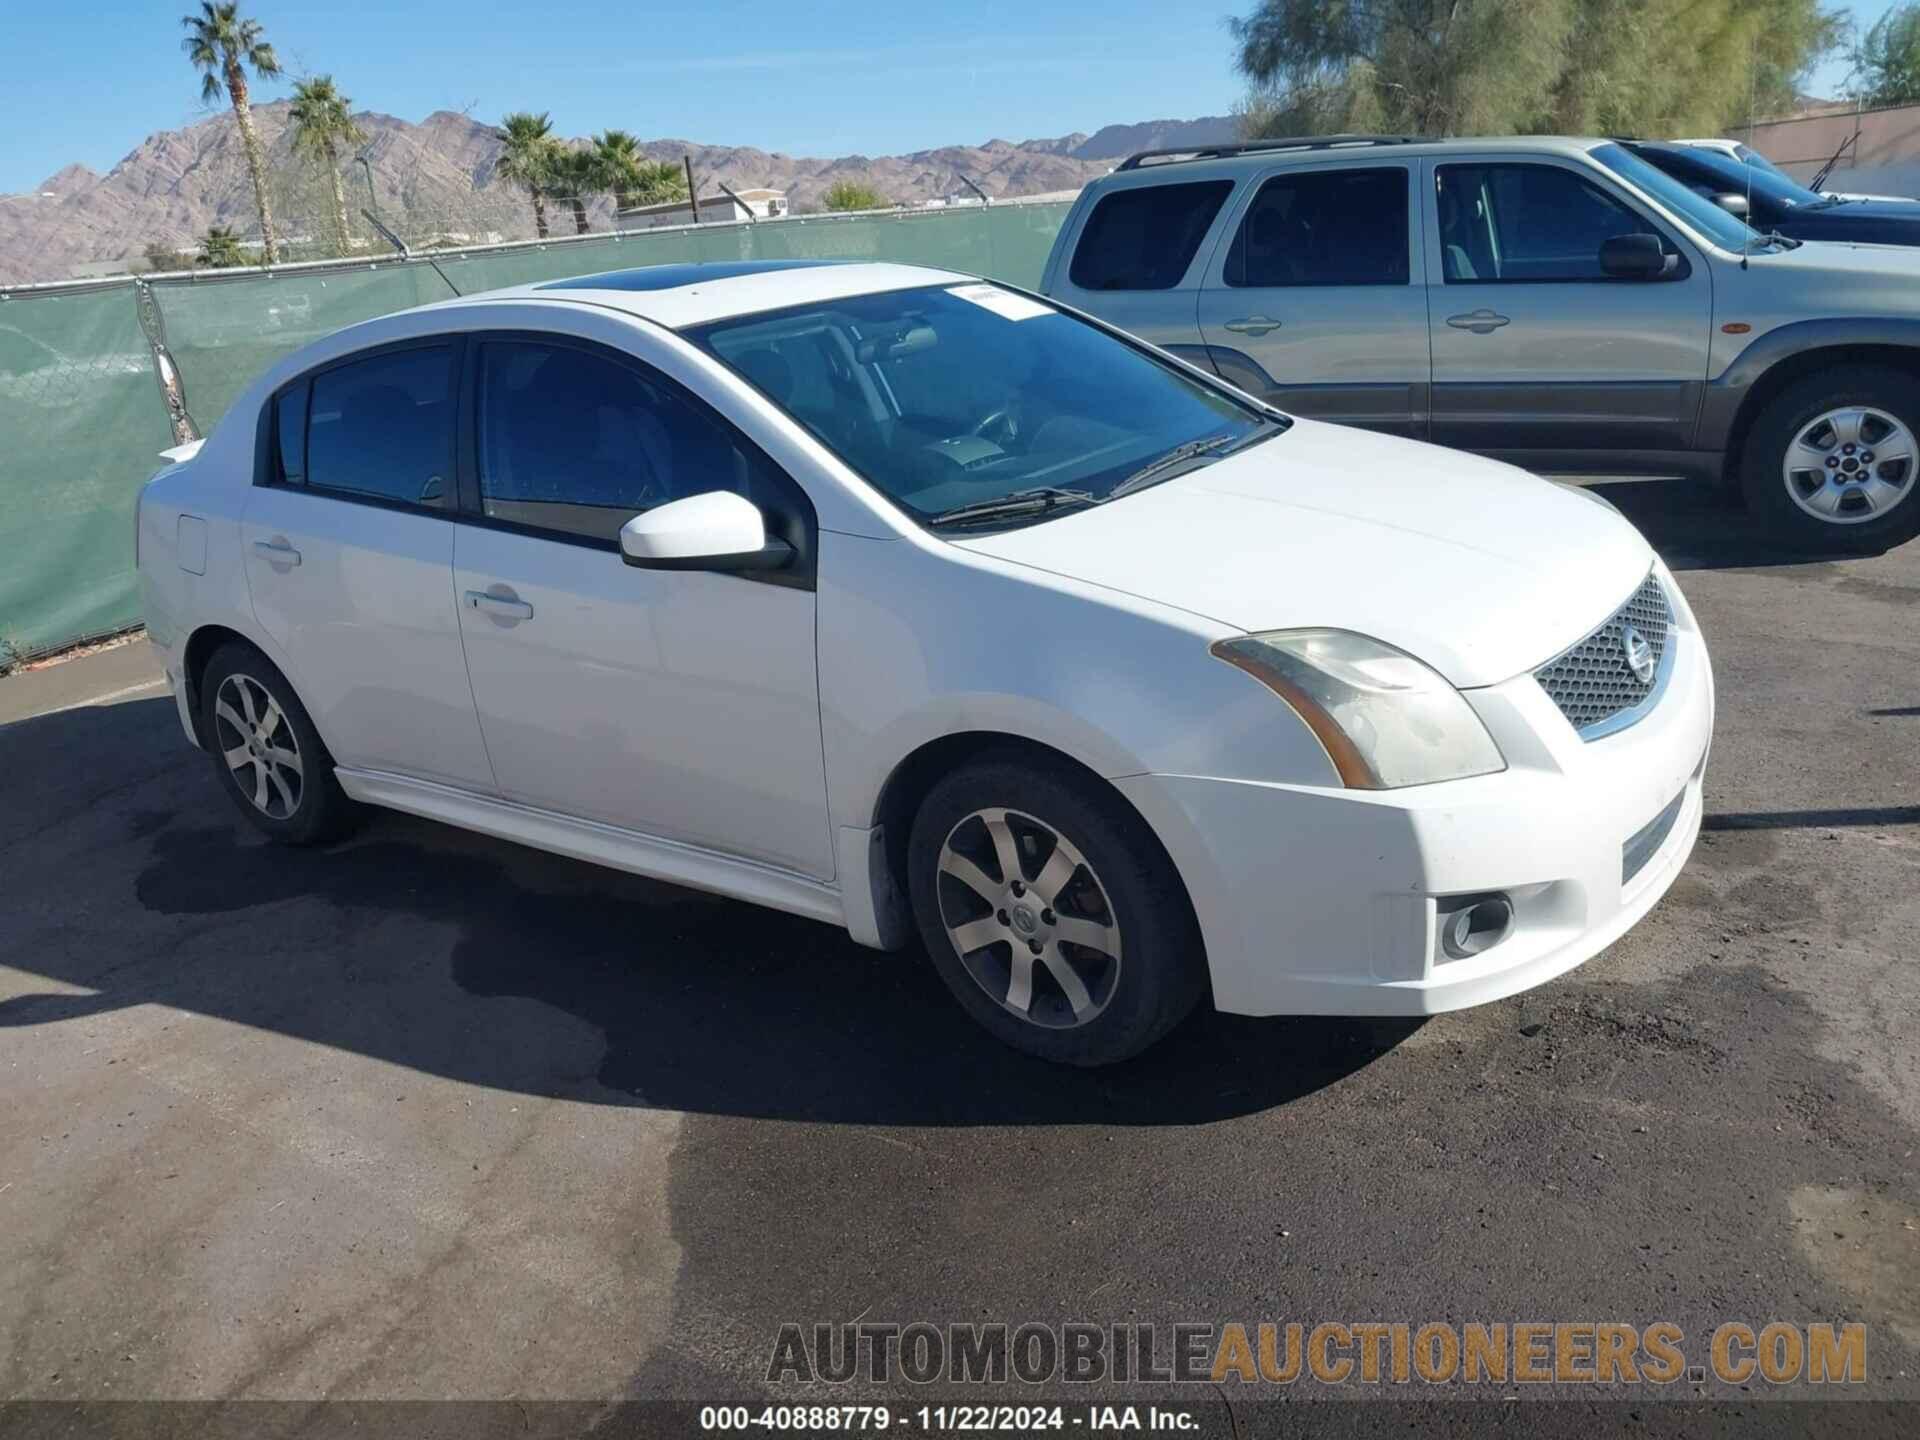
[(600, 844)]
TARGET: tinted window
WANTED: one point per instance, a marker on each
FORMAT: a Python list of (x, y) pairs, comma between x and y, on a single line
[(290, 425), (951, 395), (383, 426), (1526, 223), (580, 443), (1144, 238), (1324, 227)]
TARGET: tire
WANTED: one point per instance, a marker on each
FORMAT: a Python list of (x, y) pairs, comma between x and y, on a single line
[(243, 697), (1083, 850), (1771, 474)]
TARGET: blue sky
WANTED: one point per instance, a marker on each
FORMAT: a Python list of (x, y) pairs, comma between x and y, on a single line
[(828, 77)]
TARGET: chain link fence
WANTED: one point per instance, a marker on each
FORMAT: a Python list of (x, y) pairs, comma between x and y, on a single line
[(96, 379)]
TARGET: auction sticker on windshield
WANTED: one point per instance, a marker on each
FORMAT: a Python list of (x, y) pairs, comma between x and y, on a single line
[(1002, 302)]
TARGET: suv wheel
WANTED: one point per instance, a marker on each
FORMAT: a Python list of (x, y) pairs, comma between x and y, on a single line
[(1834, 459), (1051, 913), (265, 750)]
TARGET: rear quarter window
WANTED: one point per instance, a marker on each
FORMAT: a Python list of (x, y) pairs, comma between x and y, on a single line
[(1145, 237)]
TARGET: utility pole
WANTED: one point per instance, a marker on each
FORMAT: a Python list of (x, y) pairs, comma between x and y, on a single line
[(693, 195)]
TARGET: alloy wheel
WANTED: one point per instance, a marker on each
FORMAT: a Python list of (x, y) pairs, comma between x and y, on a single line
[(1850, 465), (259, 746), (1028, 917)]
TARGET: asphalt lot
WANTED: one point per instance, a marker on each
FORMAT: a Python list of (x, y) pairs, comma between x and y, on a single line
[(427, 1115)]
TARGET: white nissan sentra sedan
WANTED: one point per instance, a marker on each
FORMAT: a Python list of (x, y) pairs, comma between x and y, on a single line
[(919, 606)]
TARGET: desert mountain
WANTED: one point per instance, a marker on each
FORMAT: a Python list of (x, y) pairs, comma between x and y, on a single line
[(432, 179)]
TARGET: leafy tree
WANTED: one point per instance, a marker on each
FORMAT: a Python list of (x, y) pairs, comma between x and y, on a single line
[(322, 121), (631, 176), (528, 159), (577, 178), (853, 195), (222, 45), (220, 249), (1464, 67), (1886, 62)]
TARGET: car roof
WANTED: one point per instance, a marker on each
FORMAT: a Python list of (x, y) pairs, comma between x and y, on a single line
[(682, 295), (1237, 157)]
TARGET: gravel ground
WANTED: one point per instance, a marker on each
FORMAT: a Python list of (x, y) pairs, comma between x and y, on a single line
[(429, 1116)]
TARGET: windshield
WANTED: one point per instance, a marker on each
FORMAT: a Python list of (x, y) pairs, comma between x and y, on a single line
[(1770, 184), (965, 394), (1749, 156), (1709, 219)]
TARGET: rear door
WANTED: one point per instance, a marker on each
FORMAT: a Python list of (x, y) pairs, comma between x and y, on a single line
[(348, 537), (1538, 356), (1318, 302)]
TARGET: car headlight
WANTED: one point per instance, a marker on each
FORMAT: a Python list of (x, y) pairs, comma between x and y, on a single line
[(1384, 719)]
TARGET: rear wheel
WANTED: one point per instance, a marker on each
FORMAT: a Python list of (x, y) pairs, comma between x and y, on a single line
[(1834, 460), (1051, 913), (265, 750)]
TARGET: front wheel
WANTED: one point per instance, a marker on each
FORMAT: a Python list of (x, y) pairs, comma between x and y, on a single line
[(1834, 460), (1051, 912)]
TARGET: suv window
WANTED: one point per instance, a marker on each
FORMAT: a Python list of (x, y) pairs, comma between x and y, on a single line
[(1145, 237), (579, 443), (383, 427), (1324, 227), (1524, 224)]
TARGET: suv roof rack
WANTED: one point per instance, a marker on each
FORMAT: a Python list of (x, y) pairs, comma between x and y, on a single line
[(1247, 147)]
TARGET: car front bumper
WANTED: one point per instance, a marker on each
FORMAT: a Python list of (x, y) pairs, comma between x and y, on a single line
[(1320, 901)]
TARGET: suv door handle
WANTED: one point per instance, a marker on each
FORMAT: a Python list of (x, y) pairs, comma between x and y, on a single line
[(1481, 322), (1251, 325), (278, 552), (510, 608)]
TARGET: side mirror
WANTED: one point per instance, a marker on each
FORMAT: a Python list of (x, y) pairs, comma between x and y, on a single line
[(718, 530), (1733, 204), (1634, 257)]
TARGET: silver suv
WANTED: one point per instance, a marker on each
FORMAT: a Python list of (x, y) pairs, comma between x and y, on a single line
[(1557, 303)]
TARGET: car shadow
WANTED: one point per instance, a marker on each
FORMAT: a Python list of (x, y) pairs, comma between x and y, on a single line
[(499, 966), (1699, 527)]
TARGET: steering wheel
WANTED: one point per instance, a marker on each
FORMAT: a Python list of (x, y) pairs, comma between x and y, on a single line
[(1003, 417)]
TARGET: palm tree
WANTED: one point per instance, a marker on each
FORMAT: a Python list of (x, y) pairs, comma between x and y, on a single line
[(631, 176), (220, 44), (220, 249), (578, 177), (528, 159), (622, 166), (322, 120)]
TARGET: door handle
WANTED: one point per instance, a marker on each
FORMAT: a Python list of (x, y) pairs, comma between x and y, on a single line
[(1481, 322), (1251, 325), (502, 607), (278, 552)]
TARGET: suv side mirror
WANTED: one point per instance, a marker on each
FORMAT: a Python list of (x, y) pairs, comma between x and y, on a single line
[(1734, 204), (717, 530), (1635, 257)]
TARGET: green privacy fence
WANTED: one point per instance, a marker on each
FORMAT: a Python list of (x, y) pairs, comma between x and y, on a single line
[(83, 415), (81, 419)]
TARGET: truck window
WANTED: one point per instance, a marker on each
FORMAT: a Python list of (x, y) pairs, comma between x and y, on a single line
[(1144, 238)]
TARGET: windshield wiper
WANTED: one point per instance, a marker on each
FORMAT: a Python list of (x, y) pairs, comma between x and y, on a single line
[(1211, 448), (1039, 500), (1774, 237)]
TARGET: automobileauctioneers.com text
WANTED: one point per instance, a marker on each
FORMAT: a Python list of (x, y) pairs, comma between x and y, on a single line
[(1572, 1352)]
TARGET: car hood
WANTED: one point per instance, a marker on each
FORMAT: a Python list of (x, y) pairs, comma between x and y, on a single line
[(1478, 568), (1865, 221)]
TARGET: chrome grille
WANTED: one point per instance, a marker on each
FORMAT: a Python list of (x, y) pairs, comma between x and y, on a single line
[(1594, 683)]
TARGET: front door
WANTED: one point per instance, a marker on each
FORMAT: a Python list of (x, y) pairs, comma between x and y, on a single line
[(349, 557), (1538, 356), (1317, 303), (680, 704)]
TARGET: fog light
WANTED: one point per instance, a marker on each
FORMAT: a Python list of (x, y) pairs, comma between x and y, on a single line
[(1474, 924)]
